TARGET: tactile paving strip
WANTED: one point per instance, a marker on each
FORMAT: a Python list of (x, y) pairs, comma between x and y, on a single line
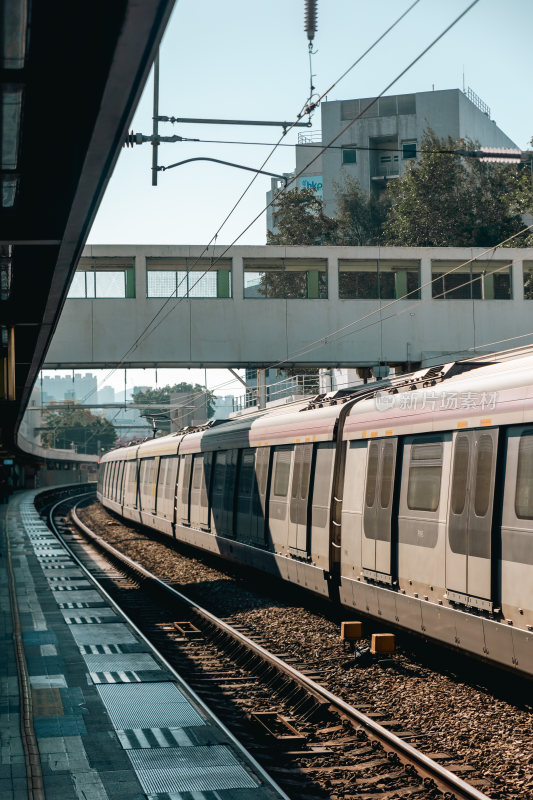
[(111, 633), (190, 769), (120, 661), (147, 705)]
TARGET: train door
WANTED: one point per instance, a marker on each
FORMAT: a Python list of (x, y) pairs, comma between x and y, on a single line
[(201, 479), (223, 492), (278, 522), (377, 544), (299, 502), (260, 497), (246, 491), (469, 546)]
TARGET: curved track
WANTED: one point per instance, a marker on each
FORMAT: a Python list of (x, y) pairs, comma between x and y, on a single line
[(403, 769)]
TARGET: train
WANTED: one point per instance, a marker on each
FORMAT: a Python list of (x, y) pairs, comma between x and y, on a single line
[(409, 500)]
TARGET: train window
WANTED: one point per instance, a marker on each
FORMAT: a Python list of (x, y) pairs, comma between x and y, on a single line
[(425, 470), (387, 474), (282, 469), (162, 479), (246, 475), (186, 466), (321, 485), (371, 474), (296, 474), (524, 477), (262, 469), (460, 474), (229, 479), (306, 473), (197, 472), (483, 475), (172, 474), (220, 469)]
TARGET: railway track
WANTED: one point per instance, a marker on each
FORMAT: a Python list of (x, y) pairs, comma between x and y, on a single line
[(313, 743)]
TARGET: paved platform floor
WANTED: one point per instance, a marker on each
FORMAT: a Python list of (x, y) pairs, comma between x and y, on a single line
[(110, 722)]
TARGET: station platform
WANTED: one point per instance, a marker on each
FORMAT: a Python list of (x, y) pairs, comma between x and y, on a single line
[(87, 709)]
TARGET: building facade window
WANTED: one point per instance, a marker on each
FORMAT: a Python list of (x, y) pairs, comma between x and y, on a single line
[(105, 278), (188, 277), (408, 150), (479, 280), (285, 278), (373, 279), (349, 155)]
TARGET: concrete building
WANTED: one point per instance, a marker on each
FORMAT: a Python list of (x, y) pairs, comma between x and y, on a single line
[(377, 147), (223, 406), (187, 408), (76, 387), (105, 395)]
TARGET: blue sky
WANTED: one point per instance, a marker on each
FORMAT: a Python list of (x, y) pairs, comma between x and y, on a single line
[(248, 59), (245, 59)]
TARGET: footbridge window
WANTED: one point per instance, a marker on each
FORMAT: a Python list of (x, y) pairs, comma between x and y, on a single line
[(188, 277), (103, 278), (286, 278), (528, 280), (478, 280), (384, 279)]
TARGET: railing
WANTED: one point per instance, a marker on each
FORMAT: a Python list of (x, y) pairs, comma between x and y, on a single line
[(387, 171), (311, 137), (477, 101), (296, 385)]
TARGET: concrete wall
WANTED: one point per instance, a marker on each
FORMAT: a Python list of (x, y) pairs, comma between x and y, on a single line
[(260, 332), (448, 112)]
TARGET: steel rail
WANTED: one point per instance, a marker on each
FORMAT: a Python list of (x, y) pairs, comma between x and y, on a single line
[(425, 766), (188, 691)]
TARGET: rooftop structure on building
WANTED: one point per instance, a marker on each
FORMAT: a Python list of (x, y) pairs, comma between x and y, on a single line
[(379, 144)]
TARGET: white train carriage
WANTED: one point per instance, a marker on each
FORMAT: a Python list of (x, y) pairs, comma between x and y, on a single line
[(411, 501)]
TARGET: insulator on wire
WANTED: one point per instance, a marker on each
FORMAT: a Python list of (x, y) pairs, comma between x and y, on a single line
[(310, 18)]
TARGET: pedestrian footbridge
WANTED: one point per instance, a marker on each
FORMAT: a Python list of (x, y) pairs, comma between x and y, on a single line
[(246, 306)]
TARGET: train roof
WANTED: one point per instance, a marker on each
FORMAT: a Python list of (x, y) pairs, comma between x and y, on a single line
[(485, 390), (489, 390)]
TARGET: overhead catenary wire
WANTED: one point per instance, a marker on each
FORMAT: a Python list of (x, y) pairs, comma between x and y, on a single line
[(239, 200), (344, 330), (321, 152)]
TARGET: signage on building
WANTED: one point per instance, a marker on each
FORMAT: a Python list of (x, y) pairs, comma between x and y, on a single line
[(313, 182)]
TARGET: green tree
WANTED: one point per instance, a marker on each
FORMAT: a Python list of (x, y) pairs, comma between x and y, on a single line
[(300, 219), (359, 218), (159, 401), (444, 199), (72, 424)]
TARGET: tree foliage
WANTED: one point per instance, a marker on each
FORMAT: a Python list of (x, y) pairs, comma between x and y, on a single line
[(441, 200), (445, 200), (159, 400), (300, 219), (359, 218), (72, 424)]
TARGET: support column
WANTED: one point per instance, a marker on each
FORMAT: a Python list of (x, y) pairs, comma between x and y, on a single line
[(425, 278), (517, 280), (333, 277), (237, 277), (140, 275)]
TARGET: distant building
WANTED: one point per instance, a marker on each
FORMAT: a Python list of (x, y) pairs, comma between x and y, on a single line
[(106, 395), (187, 408), (377, 147), (223, 406), (58, 388)]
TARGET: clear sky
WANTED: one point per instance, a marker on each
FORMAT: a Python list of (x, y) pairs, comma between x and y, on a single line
[(243, 59)]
